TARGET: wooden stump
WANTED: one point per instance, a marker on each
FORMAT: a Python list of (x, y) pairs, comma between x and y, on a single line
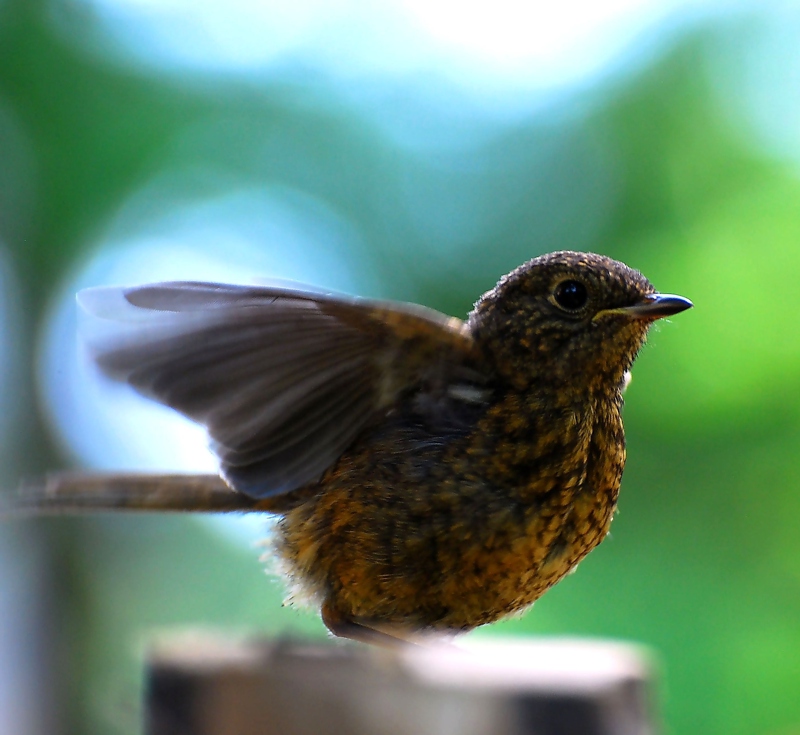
[(205, 685)]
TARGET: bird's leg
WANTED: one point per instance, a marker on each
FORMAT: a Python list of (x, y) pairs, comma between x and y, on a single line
[(344, 627)]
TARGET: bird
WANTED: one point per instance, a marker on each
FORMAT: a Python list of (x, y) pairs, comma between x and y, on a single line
[(428, 475)]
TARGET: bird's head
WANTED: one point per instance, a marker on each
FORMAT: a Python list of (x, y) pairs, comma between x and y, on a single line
[(568, 318)]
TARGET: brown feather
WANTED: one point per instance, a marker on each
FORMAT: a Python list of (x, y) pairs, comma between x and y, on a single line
[(283, 379)]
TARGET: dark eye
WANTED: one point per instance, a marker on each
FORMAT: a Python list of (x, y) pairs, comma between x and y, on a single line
[(571, 295)]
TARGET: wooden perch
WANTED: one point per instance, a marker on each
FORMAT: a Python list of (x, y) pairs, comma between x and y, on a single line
[(210, 686)]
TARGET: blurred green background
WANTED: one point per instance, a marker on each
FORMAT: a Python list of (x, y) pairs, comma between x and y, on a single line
[(121, 160)]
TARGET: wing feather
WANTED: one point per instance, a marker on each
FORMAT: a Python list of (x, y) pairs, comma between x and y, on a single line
[(284, 379)]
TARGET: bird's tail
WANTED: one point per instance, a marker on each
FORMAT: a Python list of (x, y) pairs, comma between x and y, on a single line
[(77, 492)]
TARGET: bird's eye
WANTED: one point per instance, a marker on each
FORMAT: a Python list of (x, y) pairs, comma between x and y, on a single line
[(571, 295)]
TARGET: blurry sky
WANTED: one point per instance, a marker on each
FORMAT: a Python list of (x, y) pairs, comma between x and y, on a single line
[(506, 46), (466, 72)]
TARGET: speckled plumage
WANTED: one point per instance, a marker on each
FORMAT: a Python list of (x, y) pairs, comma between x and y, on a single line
[(422, 528), (430, 474)]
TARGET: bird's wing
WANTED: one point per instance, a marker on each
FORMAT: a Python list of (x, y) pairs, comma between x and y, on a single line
[(283, 379)]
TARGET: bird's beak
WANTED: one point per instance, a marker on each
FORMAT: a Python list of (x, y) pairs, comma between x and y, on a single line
[(655, 306), (651, 307)]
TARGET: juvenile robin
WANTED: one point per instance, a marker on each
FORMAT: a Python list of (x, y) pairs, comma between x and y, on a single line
[(429, 474)]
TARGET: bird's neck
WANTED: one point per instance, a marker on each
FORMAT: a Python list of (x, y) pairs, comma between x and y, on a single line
[(549, 434)]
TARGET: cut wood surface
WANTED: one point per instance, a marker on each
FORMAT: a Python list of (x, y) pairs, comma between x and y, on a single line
[(202, 684)]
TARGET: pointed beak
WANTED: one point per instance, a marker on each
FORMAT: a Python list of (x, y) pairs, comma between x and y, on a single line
[(655, 306)]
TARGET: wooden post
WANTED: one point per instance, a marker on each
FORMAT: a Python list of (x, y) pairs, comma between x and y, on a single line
[(211, 686)]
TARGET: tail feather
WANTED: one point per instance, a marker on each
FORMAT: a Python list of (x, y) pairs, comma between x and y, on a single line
[(64, 493)]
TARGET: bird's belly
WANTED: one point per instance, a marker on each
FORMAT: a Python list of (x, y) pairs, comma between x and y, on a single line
[(490, 582), (442, 562)]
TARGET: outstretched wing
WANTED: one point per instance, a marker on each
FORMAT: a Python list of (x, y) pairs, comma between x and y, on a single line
[(284, 380)]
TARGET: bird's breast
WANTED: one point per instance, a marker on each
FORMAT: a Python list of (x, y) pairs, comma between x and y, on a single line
[(555, 473), (454, 531)]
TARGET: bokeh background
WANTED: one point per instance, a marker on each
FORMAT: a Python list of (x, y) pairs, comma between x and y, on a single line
[(411, 150)]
